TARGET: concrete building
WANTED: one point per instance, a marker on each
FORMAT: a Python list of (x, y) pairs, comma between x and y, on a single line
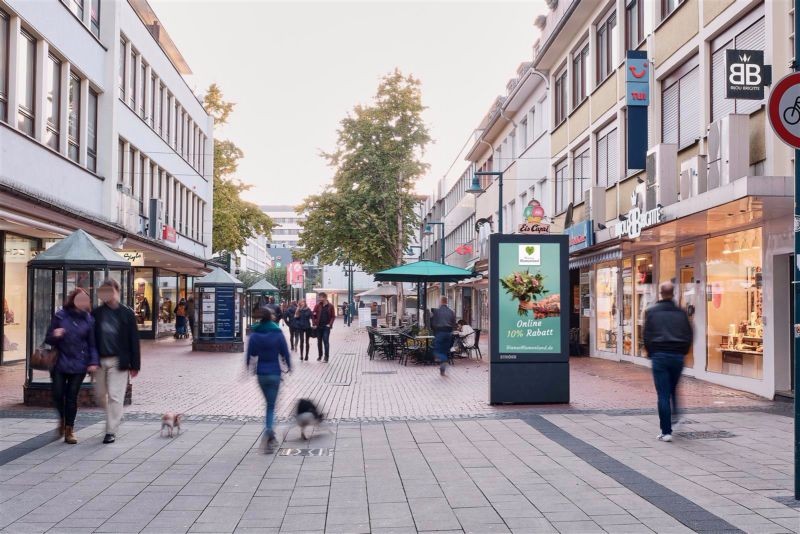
[(287, 230), (100, 131), (255, 257)]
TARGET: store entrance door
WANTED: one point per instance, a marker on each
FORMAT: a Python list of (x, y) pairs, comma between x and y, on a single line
[(687, 299)]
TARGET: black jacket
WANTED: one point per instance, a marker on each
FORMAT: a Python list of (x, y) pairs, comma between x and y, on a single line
[(443, 320), (129, 356), (667, 329)]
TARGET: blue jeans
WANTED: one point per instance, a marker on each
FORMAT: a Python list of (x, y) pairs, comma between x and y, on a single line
[(324, 338), (269, 387), (667, 368), (442, 341)]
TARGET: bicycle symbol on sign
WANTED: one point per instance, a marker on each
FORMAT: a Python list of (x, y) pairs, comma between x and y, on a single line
[(792, 114)]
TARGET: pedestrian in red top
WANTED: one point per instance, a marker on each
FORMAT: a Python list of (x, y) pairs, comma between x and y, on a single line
[(323, 318)]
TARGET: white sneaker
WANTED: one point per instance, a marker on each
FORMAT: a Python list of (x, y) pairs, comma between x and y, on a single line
[(665, 437), (676, 424)]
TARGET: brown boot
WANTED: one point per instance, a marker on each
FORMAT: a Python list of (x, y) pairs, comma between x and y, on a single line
[(69, 436), (60, 428)]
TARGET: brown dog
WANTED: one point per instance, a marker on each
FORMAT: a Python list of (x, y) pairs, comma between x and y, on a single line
[(171, 422)]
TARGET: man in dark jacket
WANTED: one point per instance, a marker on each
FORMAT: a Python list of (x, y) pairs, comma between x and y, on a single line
[(118, 345), (667, 337), (323, 318), (443, 322)]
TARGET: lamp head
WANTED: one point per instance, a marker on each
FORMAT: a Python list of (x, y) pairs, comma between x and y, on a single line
[(475, 187), (428, 230)]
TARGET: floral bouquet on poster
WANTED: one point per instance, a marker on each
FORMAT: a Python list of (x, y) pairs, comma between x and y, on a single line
[(528, 289)]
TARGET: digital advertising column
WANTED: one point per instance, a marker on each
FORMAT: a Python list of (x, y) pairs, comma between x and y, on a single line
[(529, 341)]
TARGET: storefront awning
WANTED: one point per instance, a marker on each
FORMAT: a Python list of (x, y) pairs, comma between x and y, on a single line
[(597, 257)]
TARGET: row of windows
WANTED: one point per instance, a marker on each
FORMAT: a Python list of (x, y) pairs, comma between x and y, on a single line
[(144, 180), (285, 231), (530, 127), (65, 137), (78, 8), (142, 90), (580, 181)]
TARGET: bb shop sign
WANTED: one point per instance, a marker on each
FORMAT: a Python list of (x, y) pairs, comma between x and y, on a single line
[(637, 220)]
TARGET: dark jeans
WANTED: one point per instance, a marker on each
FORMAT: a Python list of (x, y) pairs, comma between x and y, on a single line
[(667, 368), (442, 341), (292, 337), (270, 384), (303, 340), (324, 338), (66, 387)]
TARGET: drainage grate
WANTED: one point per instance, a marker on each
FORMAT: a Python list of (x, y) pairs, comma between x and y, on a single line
[(379, 372), (306, 452), (707, 434), (337, 383)]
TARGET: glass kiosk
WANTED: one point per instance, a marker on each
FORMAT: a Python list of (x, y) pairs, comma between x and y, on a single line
[(219, 298), (79, 260), (257, 295)]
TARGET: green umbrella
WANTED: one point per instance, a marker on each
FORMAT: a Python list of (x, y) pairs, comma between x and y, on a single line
[(423, 271)]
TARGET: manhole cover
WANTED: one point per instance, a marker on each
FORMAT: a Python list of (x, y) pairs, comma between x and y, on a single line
[(305, 452), (707, 434), (379, 373)]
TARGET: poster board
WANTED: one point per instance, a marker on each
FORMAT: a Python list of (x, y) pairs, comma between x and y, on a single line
[(364, 317)]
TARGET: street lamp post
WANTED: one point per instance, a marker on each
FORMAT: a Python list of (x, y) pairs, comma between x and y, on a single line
[(429, 231), (476, 189)]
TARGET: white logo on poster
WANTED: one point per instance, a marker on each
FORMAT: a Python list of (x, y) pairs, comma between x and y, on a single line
[(530, 255)]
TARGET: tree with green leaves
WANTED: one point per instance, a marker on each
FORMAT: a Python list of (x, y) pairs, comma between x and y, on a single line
[(235, 220), (367, 214)]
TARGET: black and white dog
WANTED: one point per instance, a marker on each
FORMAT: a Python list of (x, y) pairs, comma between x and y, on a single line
[(307, 415)]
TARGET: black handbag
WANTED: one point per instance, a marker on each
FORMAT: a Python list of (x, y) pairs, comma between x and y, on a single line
[(312, 332)]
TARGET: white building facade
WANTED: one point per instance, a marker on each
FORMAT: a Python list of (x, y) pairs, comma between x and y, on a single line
[(100, 131), (286, 233)]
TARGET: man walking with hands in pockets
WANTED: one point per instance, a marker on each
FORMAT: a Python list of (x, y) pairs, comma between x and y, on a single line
[(667, 337), (118, 346)]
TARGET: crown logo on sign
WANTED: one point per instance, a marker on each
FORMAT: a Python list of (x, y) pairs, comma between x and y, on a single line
[(744, 58)]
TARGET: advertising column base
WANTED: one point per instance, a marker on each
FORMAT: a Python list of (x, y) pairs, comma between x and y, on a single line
[(529, 383)]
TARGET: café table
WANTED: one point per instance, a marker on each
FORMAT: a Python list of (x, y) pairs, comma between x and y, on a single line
[(428, 355), (392, 337)]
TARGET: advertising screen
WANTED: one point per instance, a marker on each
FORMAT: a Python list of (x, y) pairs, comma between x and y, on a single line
[(529, 282)]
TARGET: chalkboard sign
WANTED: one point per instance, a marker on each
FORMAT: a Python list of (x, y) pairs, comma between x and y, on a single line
[(226, 312)]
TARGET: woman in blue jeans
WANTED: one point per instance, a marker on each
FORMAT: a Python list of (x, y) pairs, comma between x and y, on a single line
[(268, 344)]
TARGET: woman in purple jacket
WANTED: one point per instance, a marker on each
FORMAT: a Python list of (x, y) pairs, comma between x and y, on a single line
[(71, 332)]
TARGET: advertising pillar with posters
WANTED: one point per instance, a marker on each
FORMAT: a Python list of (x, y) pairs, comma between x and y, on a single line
[(529, 341)]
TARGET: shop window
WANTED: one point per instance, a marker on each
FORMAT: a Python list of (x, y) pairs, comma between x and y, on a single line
[(627, 306), (666, 265), (734, 296), (143, 298), (644, 297), (168, 293), (606, 306), (18, 251)]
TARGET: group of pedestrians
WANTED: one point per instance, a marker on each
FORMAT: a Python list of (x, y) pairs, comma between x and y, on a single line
[(103, 342)]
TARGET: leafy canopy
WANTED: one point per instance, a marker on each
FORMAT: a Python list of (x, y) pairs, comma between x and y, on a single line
[(377, 163), (235, 220)]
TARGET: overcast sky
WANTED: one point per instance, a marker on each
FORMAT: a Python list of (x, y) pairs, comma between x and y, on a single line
[(295, 69)]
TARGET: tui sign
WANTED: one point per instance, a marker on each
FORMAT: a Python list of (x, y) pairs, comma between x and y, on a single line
[(746, 75)]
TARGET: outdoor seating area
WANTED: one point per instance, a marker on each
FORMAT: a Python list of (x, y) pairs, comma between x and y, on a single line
[(412, 343)]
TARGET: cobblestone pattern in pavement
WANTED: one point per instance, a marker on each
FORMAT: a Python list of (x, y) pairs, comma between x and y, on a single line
[(175, 379), (446, 476)]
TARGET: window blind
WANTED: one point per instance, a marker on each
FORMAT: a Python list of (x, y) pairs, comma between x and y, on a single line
[(689, 113), (669, 114)]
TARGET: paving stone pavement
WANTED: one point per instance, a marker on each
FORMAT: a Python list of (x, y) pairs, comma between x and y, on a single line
[(174, 378), (547, 473), (409, 452)]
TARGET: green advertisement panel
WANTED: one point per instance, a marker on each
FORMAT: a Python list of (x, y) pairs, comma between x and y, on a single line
[(530, 298), (529, 282)]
